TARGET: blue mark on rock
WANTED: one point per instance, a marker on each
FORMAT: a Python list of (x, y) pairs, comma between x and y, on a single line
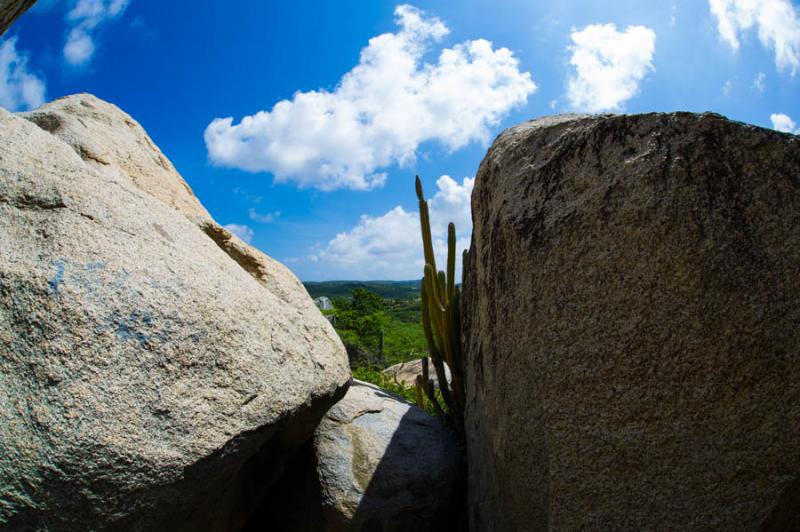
[(58, 278), (130, 328), (126, 332), (96, 265)]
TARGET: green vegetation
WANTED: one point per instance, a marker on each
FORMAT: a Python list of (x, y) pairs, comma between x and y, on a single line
[(441, 320), (385, 289), (375, 376), (378, 332), (383, 323)]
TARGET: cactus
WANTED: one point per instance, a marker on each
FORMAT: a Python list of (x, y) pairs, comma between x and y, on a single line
[(441, 321)]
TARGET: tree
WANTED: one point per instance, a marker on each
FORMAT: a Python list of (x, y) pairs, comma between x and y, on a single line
[(360, 322)]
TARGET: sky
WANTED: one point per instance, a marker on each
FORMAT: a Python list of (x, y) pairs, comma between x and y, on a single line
[(301, 125)]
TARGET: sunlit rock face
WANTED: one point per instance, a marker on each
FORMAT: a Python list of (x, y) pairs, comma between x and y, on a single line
[(632, 327), (156, 373)]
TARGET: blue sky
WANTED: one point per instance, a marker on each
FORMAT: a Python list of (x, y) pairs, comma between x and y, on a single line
[(301, 125)]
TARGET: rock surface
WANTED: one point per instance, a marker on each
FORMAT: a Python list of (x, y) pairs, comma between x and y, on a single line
[(155, 371), (406, 372), (632, 326), (109, 139), (376, 463), (10, 10)]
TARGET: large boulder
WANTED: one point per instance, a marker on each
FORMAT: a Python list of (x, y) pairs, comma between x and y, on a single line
[(10, 10), (377, 463), (632, 326), (110, 140), (156, 373)]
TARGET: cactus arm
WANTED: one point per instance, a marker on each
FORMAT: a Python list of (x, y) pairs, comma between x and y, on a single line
[(456, 370), (435, 402), (418, 388), (432, 350), (425, 227), (451, 261), (427, 385), (441, 320)]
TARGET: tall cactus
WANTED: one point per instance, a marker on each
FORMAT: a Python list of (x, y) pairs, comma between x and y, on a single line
[(441, 321)]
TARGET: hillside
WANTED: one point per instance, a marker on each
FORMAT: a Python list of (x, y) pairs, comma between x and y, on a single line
[(385, 289)]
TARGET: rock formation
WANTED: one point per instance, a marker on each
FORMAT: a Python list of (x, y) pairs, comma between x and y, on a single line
[(405, 373), (156, 373), (376, 463), (10, 10), (632, 326)]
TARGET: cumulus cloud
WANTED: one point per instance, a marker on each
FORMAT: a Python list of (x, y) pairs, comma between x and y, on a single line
[(782, 122), (380, 111), (19, 88), (263, 218), (390, 246), (84, 18), (609, 65), (727, 87), (242, 231), (776, 21), (760, 82)]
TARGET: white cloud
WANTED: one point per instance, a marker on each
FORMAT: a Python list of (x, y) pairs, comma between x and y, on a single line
[(760, 82), (263, 218), (84, 18), (19, 88), (242, 231), (776, 20), (782, 122), (727, 87), (609, 65), (390, 246), (380, 111), (79, 47)]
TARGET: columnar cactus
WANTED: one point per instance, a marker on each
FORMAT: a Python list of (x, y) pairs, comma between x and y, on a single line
[(441, 321)]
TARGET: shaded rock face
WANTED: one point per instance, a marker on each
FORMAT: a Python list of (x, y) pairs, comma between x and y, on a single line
[(10, 10), (377, 463), (155, 371), (632, 326)]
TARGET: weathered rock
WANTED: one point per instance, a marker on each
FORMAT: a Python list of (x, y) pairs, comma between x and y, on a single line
[(376, 463), (323, 303), (405, 373), (109, 139), (155, 372), (632, 326), (10, 10)]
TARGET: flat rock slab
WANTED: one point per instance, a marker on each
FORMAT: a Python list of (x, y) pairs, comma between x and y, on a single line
[(155, 372), (632, 326), (405, 373)]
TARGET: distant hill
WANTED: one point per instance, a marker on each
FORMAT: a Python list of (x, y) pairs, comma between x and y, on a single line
[(386, 289)]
